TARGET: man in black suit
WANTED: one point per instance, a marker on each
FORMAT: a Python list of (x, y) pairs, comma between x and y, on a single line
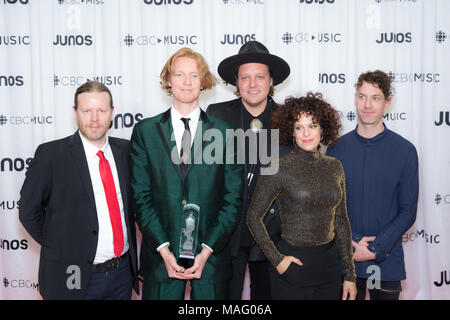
[(75, 202), (254, 72)]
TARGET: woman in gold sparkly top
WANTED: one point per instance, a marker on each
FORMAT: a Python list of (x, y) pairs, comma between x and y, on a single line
[(309, 189)]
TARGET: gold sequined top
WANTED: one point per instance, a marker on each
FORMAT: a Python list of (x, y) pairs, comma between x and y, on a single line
[(309, 189)]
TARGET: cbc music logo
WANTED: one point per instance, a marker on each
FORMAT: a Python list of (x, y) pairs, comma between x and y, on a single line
[(14, 1), (441, 121), (239, 39), (20, 284), (441, 36), (332, 78), (351, 116), (152, 40), (168, 2), (73, 40), (70, 81), (391, 116), (316, 1), (306, 37), (393, 37), (11, 81), (25, 120), (243, 2), (7, 205), (445, 199), (414, 77), (14, 40), (15, 244), (80, 2), (16, 164), (423, 236)]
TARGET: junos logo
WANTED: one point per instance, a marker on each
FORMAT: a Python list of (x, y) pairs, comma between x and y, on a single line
[(443, 115), (316, 1), (11, 81), (395, 37), (332, 78), (125, 120), (73, 40), (444, 279), (167, 2), (13, 244), (237, 38), (16, 164)]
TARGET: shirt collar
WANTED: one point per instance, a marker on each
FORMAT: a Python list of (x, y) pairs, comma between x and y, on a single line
[(372, 140), (194, 115), (91, 150)]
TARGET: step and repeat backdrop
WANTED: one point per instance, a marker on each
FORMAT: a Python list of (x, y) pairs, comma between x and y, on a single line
[(50, 47)]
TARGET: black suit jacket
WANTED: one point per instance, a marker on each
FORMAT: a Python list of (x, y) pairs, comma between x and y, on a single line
[(57, 208), (233, 112)]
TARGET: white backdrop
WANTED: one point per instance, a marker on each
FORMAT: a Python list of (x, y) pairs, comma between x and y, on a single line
[(50, 47)]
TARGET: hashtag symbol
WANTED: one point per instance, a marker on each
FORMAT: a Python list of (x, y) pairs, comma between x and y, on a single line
[(128, 40), (287, 38), (3, 120), (55, 80), (5, 282), (351, 116), (438, 198), (441, 36)]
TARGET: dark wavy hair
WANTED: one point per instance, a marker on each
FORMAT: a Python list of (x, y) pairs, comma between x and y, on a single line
[(312, 104), (377, 78)]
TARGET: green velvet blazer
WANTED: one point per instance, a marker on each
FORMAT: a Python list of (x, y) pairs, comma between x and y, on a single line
[(161, 188)]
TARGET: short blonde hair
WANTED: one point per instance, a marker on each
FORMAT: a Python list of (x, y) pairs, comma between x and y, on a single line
[(207, 79)]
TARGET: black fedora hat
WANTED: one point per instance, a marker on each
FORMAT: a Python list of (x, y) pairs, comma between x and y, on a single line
[(254, 52)]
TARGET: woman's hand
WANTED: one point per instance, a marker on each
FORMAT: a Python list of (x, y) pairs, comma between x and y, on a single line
[(349, 290), (286, 262)]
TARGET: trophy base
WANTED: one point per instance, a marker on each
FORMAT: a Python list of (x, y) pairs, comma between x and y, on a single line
[(185, 262)]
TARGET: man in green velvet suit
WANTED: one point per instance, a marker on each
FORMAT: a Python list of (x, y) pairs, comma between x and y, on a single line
[(172, 169)]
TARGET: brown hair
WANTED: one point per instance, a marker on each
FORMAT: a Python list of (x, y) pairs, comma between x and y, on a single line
[(377, 78), (92, 86), (207, 79), (321, 111)]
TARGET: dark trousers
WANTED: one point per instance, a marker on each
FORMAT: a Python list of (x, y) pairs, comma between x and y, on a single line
[(389, 290), (112, 285), (174, 289), (259, 275), (318, 278)]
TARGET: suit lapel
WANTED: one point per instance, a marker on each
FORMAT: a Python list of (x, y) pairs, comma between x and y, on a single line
[(79, 157), (165, 130)]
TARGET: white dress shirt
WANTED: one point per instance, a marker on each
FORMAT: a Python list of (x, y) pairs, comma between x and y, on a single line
[(105, 245), (178, 130)]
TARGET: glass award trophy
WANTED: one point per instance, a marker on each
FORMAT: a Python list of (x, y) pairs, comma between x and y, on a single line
[(188, 235)]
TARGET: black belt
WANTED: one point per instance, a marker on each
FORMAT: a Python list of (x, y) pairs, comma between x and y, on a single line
[(110, 264)]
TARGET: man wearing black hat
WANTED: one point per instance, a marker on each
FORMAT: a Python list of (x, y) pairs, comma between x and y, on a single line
[(254, 72)]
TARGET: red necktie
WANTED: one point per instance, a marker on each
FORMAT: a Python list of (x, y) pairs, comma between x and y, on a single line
[(113, 203)]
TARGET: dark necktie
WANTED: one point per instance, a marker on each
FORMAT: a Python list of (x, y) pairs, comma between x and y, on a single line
[(185, 151), (113, 203)]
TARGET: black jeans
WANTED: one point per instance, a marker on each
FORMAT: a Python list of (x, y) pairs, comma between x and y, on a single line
[(389, 290)]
